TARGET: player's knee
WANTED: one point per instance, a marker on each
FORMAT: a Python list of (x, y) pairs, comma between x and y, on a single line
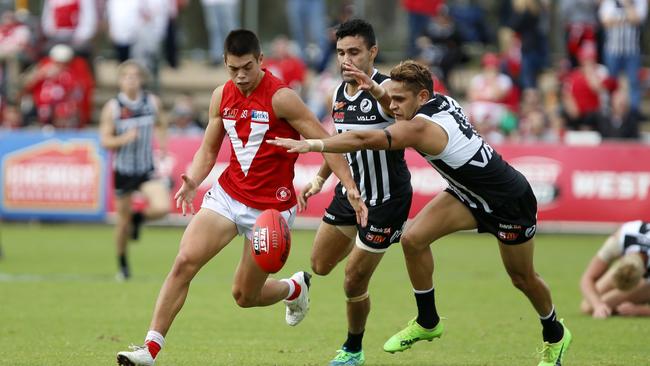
[(159, 210), (243, 299), (522, 281), (320, 267), (410, 243), (184, 267), (356, 282)]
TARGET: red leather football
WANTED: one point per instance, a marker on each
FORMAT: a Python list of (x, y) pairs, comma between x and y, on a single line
[(271, 241)]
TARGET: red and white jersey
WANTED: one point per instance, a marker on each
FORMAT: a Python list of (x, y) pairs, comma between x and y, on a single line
[(259, 175)]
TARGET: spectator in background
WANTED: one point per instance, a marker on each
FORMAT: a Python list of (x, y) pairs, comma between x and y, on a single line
[(346, 12), (12, 119), (419, 13), (534, 124), (70, 22), (308, 28), (441, 45), (622, 20), (528, 20), (486, 94), (471, 20), (220, 16), (438, 85), (285, 64), (621, 122), (14, 36), (137, 28), (127, 125), (583, 93), (61, 86), (171, 37), (580, 21), (616, 280), (184, 120), (15, 39)]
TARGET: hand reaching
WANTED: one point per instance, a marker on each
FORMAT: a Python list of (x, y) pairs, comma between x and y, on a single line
[(359, 206), (363, 80), (310, 189), (185, 195), (292, 146)]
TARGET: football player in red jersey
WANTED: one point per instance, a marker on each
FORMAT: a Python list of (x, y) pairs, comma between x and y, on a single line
[(252, 107)]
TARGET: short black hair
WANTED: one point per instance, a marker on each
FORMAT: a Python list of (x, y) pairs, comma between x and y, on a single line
[(357, 27), (241, 42)]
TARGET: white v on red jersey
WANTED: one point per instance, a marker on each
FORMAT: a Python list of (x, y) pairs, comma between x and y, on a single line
[(259, 174)]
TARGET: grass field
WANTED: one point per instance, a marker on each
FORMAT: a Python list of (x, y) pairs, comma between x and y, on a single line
[(60, 305)]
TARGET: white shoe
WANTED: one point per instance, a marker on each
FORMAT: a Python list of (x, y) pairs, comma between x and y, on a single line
[(138, 356), (298, 308)]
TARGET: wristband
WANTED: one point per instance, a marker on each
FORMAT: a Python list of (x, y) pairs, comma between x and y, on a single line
[(315, 145), (317, 183)]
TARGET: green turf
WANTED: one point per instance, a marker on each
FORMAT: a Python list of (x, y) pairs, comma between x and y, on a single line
[(59, 305)]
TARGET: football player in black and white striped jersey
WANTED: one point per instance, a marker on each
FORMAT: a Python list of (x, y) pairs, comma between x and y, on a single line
[(359, 103), (127, 126), (617, 280), (484, 193)]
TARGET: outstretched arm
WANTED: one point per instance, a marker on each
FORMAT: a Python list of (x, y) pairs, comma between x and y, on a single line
[(399, 136), (287, 105), (205, 156)]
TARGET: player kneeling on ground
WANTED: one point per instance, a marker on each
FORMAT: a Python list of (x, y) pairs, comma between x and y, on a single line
[(616, 280)]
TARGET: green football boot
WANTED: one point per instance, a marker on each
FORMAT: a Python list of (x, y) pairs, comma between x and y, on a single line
[(553, 353), (345, 358), (405, 338)]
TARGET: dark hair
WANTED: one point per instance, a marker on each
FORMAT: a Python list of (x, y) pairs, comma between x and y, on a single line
[(414, 75), (242, 42), (357, 27)]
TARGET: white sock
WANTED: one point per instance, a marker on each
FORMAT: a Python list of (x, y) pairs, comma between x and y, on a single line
[(152, 335), (292, 286), (422, 291)]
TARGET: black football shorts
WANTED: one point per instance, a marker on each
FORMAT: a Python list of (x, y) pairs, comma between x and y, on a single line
[(513, 222), (385, 220)]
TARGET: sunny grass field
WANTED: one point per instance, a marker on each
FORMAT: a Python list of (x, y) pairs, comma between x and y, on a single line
[(59, 305)]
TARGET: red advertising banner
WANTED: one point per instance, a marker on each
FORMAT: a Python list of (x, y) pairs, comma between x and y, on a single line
[(605, 183)]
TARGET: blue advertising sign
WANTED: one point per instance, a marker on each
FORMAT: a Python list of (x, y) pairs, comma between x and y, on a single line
[(52, 176)]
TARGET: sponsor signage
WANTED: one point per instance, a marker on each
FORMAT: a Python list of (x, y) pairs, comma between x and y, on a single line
[(52, 176), (607, 183), (67, 175)]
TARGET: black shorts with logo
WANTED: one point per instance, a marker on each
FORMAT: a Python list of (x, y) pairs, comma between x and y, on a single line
[(385, 220), (126, 183), (514, 222)]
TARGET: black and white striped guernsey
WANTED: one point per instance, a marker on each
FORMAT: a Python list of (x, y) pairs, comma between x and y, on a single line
[(473, 169), (136, 157), (380, 175)]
